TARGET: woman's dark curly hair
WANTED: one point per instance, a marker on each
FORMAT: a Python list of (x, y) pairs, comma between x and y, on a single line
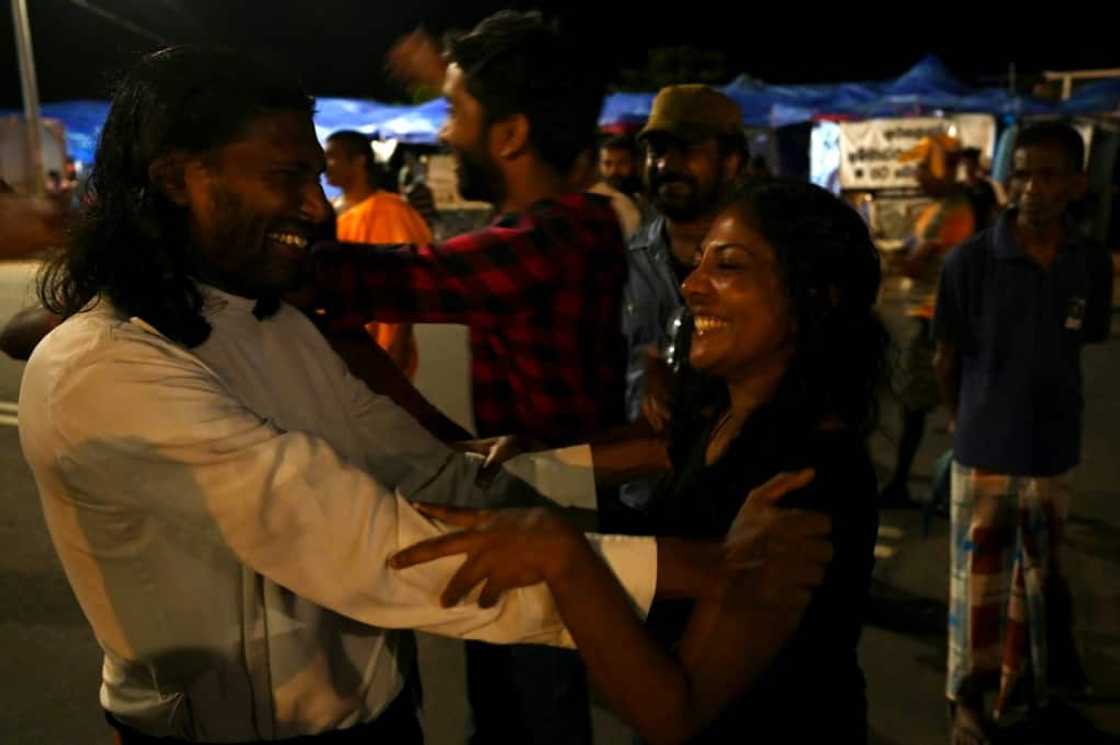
[(830, 271), (130, 243)]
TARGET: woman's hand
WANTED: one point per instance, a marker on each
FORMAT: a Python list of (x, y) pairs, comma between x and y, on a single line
[(497, 450), (505, 549), (777, 555)]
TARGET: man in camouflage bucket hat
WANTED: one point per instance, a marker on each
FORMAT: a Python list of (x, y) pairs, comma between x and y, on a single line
[(694, 150)]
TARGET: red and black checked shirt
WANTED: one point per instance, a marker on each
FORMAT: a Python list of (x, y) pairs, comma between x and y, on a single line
[(541, 293)]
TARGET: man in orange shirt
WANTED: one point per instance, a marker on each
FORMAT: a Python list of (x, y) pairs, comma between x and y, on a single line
[(945, 222), (370, 214)]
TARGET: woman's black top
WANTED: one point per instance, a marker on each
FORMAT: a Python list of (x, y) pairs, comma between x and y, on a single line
[(814, 690)]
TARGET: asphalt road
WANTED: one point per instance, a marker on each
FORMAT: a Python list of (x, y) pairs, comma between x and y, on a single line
[(50, 663)]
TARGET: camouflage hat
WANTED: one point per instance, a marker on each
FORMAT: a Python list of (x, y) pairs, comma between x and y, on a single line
[(693, 112)]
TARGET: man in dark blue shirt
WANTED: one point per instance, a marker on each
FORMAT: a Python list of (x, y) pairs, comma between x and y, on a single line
[(1015, 305)]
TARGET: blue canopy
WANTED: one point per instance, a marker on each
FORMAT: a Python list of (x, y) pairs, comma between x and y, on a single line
[(925, 88), (410, 124), (631, 109), (929, 77), (1093, 98), (82, 121)]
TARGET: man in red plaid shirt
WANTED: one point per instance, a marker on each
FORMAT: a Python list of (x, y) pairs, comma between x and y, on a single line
[(540, 289), (540, 292)]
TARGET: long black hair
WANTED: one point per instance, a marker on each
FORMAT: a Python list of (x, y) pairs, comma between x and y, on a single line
[(831, 273), (130, 243)]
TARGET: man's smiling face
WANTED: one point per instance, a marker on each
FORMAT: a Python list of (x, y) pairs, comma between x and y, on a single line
[(256, 205)]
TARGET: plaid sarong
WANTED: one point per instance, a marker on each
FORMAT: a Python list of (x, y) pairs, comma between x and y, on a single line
[(1004, 540)]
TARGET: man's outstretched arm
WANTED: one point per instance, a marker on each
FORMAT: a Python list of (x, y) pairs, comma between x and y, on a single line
[(25, 330)]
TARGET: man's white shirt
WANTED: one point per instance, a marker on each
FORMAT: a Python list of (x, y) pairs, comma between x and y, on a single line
[(224, 516)]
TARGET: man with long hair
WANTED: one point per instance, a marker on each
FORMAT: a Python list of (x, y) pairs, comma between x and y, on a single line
[(222, 494)]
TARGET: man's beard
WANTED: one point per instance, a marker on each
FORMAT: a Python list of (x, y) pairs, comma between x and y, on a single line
[(240, 258), (699, 202), (479, 180)]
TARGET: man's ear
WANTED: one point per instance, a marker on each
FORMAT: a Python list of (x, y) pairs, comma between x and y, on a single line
[(168, 174), (510, 136)]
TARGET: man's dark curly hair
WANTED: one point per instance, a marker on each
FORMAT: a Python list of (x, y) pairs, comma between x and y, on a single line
[(130, 243), (516, 63), (830, 270)]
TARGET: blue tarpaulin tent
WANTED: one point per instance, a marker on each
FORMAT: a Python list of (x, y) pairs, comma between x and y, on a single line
[(410, 124), (1095, 98), (925, 88), (82, 121)]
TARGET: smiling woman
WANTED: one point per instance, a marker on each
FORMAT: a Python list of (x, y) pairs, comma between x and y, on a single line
[(779, 395), (782, 297), (785, 361), (740, 310)]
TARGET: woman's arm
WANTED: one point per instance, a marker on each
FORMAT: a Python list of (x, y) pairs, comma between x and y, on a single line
[(730, 641), (633, 452), (732, 635), (756, 589), (618, 455)]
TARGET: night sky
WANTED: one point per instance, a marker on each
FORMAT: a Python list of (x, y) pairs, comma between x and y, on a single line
[(338, 46)]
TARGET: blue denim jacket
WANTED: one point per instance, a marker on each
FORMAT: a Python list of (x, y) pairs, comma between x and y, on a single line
[(651, 295)]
